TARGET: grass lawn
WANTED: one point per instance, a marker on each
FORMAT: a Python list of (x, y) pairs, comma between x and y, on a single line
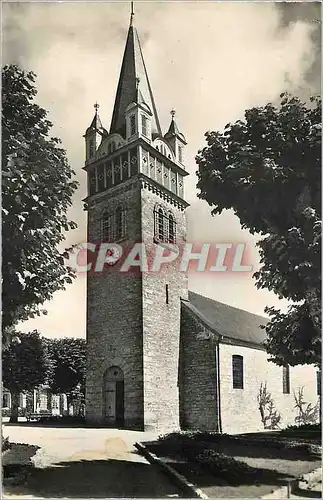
[(246, 466)]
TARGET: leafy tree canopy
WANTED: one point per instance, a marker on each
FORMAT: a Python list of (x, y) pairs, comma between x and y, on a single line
[(25, 365), (69, 364), (267, 168), (37, 187)]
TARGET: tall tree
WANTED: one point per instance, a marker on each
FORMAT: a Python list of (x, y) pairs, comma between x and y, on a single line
[(69, 364), (25, 365), (267, 168), (37, 187)]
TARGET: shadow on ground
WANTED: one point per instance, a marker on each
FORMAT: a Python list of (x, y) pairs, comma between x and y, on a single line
[(64, 424), (300, 492), (238, 450), (205, 478), (96, 479)]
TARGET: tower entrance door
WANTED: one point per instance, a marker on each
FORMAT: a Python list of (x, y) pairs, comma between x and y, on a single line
[(113, 397)]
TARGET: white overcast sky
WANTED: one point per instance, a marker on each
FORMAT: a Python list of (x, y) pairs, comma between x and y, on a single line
[(208, 60)]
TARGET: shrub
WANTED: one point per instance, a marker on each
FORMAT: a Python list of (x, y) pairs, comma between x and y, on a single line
[(228, 468), (6, 412), (270, 417), (5, 444), (313, 431), (307, 413)]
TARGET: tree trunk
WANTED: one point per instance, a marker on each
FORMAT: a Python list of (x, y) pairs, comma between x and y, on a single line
[(14, 407)]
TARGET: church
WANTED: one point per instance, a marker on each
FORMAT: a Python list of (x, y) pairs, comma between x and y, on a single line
[(161, 357)]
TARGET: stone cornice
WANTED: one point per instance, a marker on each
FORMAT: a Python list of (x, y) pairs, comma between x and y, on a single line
[(114, 191), (145, 183), (162, 192)]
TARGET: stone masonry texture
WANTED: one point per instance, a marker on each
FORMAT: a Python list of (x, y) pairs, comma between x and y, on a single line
[(129, 324)]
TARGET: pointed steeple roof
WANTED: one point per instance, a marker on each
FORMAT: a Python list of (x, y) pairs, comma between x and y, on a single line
[(174, 130), (96, 124), (133, 70)]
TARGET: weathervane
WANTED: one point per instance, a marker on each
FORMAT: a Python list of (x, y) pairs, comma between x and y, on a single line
[(172, 112), (96, 107)]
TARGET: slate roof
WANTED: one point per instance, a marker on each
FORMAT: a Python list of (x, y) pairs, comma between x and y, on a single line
[(228, 321), (133, 73)]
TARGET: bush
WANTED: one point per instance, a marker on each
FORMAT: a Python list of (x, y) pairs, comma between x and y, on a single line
[(63, 420), (305, 431), (5, 444), (6, 412), (228, 468)]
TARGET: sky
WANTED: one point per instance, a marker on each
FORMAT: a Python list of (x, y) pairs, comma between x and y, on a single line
[(208, 60)]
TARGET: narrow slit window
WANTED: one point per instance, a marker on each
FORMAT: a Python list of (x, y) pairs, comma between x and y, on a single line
[(91, 148), (132, 125), (167, 295), (180, 154), (144, 128)]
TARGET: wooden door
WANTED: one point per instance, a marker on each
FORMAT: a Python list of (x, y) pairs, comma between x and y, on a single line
[(110, 402)]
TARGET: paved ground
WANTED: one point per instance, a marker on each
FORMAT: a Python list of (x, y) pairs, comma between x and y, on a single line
[(93, 463)]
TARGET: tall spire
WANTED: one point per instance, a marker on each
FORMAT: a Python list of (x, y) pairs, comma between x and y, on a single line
[(133, 70)]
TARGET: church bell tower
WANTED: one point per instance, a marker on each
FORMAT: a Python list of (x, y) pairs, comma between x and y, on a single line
[(135, 195)]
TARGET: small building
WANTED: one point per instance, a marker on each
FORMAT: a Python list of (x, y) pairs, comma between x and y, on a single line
[(38, 401)]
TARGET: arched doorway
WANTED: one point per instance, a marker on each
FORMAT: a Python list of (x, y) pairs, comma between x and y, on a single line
[(113, 396)]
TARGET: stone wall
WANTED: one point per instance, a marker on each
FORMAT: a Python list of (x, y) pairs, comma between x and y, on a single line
[(239, 407), (161, 323), (129, 324), (114, 318), (198, 375)]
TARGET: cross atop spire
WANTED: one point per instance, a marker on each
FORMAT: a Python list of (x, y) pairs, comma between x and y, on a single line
[(133, 70), (132, 14), (96, 107)]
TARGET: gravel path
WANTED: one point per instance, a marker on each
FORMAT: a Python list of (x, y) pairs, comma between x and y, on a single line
[(87, 463)]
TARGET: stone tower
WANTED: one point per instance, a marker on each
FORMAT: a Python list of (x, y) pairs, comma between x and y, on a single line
[(135, 195)]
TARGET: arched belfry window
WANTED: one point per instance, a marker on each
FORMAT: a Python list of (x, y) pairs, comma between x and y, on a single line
[(120, 222), (171, 228), (165, 225), (106, 227), (160, 224), (113, 225)]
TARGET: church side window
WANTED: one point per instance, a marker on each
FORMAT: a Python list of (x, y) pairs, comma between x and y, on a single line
[(237, 371), (318, 382), (132, 125), (286, 380)]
